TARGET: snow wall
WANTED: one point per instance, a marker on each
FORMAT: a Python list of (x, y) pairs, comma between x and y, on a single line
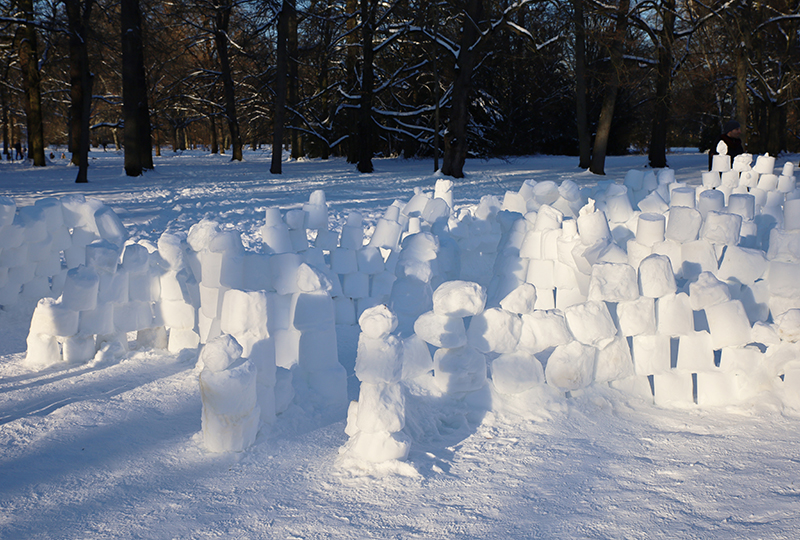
[(682, 295)]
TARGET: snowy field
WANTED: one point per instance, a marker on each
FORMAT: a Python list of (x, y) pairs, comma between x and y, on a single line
[(113, 449)]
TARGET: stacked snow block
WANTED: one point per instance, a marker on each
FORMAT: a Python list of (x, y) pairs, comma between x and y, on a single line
[(107, 299), (88, 286), (231, 411), (180, 293), (376, 421), (39, 243), (648, 284), (459, 361)]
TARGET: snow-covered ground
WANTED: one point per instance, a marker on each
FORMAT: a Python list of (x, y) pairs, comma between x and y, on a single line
[(112, 449)]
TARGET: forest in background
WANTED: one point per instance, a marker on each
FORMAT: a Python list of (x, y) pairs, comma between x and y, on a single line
[(367, 78)]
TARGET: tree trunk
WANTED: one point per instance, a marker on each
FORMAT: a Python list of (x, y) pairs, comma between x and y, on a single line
[(6, 128), (615, 49), (365, 127), (455, 153), (663, 102), (81, 80), (222, 21), (294, 82), (581, 114), (214, 142), (742, 99), (280, 90), (29, 62), (138, 146), (350, 61)]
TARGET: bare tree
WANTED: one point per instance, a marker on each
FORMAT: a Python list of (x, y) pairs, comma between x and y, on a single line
[(136, 113), (81, 78), (222, 17), (615, 51), (29, 61)]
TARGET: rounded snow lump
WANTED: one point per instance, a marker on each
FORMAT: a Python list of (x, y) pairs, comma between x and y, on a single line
[(377, 322), (515, 372), (571, 366), (459, 299)]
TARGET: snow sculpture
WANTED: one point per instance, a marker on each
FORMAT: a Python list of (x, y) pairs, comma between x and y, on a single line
[(375, 422), (228, 389)]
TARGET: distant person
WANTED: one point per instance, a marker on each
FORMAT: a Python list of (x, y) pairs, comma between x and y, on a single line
[(17, 150), (731, 136)]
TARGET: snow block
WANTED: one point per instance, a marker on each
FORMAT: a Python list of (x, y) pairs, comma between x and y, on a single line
[(231, 415), (656, 278), (441, 330), (377, 322), (458, 371), (542, 330), (52, 318), (613, 361), (684, 224), (717, 389), (782, 279), (244, 312), (651, 354), (495, 330), (673, 388), (379, 360), (695, 352), (571, 366), (516, 372), (612, 282), (459, 299), (674, 315), (80, 289), (416, 358), (707, 291), (591, 323), (743, 265), (650, 229), (721, 228), (521, 300), (637, 317), (728, 324), (381, 407)]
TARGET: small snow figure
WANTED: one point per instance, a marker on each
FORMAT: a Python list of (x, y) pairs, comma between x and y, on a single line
[(375, 422), (228, 388)]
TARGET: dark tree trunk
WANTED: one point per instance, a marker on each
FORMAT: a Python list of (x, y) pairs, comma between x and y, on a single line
[(455, 152), (615, 49), (6, 128), (222, 21), (351, 115), (29, 62), (81, 80), (294, 82), (365, 127), (581, 114), (663, 102), (214, 142), (137, 140), (280, 90), (742, 99)]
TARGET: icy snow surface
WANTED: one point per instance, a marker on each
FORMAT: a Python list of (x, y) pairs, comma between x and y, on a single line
[(112, 449)]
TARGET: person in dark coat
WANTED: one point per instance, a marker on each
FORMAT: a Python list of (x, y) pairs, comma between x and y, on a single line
[(731, 133)]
